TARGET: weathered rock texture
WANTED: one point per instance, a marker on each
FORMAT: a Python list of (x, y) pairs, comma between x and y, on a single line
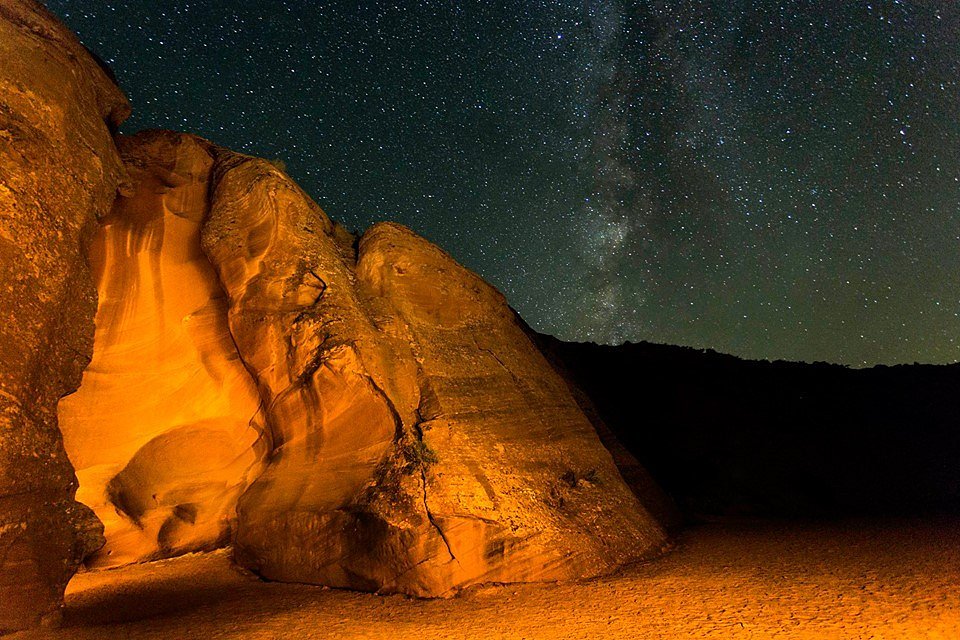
[(162, 431), (421, 443), (58, 171)]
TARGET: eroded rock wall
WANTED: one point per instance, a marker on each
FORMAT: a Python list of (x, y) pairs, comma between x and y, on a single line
[(421, 443), (59, 171), (164, 431), (335, 389)]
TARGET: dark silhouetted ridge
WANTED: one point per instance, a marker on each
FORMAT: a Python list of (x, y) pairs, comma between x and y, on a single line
[(727, 436)]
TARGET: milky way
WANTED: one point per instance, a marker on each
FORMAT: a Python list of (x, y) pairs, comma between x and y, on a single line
[(770, 179)]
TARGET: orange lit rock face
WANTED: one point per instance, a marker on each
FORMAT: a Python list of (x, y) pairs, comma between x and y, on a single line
[(520, 486), (163, 429), (325, 374), (421, 443), (58, 173)]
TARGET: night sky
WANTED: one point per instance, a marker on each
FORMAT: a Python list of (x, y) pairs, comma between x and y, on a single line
[(769, 179)]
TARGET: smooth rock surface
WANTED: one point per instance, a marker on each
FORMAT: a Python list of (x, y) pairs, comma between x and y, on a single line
[(59, 171), (164, 429)]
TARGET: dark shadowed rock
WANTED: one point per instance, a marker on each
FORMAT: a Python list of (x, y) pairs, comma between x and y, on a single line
[(727, 436), (59, 172)]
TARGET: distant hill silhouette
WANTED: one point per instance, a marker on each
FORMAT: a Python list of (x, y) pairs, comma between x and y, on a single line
[(727, 436)]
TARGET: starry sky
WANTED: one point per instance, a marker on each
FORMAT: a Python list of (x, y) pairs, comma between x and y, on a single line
[(771, 179)]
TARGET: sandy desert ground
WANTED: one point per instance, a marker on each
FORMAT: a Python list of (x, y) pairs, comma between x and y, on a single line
[(856, 579)]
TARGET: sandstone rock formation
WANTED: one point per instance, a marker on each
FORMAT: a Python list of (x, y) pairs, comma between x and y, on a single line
[(521, 488), (59, 171), (162, 431), (352, 412), (421, 442), (416, 440)]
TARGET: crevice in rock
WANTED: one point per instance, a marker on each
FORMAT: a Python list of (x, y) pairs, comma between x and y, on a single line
[(433, 521), (418, 433), (265, 430), (398, 421), (266, 434), (312, 365), (498, 360), (323, 285)]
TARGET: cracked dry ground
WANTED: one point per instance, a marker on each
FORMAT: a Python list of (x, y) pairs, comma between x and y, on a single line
[(856, 579)]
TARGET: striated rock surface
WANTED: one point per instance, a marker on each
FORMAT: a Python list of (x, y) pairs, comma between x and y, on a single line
[(520, 487), (58, 172), (420, 441), (164, 429)]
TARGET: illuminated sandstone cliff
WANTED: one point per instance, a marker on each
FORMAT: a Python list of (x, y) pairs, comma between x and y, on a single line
[(414, 439), (352, 412), (421, 442)]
